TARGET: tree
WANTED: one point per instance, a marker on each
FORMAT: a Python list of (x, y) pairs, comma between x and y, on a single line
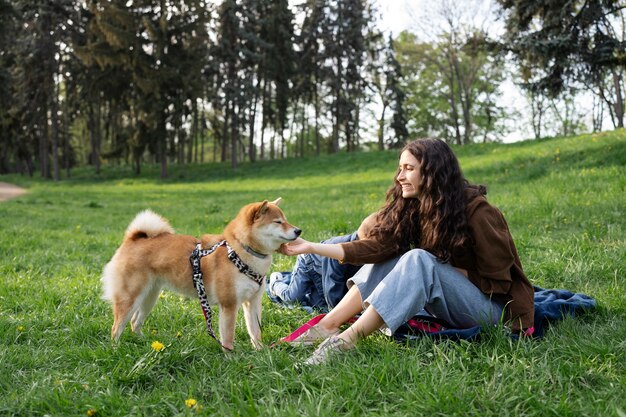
[(453, 84), (228, 49), (278, 63), (566, 114), (143, 67), (128, 81), (394, 76), (311, 70), (387, 81), (559, 44), (538, 105), (106, 48), (609, 87), (345, 37), (8, 23), (36, 69), (453, 74)]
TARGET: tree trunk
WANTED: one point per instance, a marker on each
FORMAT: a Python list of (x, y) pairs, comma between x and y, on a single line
[(536, 111), (193, 139), (234, 138), (465, 100), (455, 116), (292, 127), (183, 140), (619, 99), (303, 136), (262, 144), (381, 128), (251, 147), (66, 141), (54, 131), (357, 123), (337, 110), (162, 135), (203, 130), (93, 126), (227, 118), (98, 134), (43, 147), (317, 115), (263, 118)]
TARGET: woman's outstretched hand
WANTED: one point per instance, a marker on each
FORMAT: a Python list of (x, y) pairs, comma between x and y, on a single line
[(297, 247)]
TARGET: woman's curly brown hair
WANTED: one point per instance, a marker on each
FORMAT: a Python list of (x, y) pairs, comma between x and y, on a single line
[(435, 220)]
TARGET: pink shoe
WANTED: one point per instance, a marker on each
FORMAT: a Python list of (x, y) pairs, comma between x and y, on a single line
[(308, 334)]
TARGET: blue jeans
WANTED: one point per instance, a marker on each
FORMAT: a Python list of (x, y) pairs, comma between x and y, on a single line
[(400, 288), (316, 281)]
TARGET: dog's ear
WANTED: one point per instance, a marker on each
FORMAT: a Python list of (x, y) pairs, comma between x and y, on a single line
[(260, 209), (277, 201)]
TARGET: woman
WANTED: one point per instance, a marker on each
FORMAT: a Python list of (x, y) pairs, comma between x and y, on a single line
[(437, 244)]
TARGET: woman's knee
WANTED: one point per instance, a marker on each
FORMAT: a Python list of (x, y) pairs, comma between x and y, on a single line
[(419, 256)]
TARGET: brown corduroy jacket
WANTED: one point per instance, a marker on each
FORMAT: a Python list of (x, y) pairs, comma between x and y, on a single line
[(492, 262)]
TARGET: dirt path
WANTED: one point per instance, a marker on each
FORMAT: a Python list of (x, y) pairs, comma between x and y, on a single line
[(8, 191)]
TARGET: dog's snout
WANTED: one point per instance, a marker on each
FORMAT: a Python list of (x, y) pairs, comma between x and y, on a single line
[(297, 231)]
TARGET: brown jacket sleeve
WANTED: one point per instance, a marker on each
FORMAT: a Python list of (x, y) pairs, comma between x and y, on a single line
[(367, 251), (494, 255), (498, 268)]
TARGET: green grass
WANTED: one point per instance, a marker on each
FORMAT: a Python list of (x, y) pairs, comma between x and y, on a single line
[(563, 198)]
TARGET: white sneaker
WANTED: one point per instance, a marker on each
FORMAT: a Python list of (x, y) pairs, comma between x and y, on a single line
[(274, 276), (329, 348)]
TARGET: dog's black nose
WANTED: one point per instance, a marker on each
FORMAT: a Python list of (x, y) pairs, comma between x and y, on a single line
[(297, 231)]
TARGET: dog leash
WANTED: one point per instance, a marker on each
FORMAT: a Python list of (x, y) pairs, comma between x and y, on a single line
[(198, 282)]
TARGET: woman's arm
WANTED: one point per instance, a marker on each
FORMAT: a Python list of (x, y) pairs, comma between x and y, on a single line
[(300, 246), (328, 250)]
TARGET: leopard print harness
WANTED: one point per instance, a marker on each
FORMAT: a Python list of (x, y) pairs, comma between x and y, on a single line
[(197, 254)]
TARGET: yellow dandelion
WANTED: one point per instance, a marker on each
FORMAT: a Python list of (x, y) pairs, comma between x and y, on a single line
[(191, 403), (20, 328), (158, 346), (92, 412)]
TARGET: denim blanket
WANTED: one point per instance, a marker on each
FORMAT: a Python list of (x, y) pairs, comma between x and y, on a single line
[(550, 306)]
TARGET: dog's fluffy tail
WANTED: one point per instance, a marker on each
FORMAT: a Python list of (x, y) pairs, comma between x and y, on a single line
[(147, 224)]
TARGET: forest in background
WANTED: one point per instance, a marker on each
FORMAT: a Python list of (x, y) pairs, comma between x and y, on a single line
[(165, 81)]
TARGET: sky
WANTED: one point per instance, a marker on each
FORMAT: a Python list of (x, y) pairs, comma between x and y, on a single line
[(397, 14)]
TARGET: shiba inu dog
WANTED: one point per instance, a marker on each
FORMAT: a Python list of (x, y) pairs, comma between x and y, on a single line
[(152, 257)]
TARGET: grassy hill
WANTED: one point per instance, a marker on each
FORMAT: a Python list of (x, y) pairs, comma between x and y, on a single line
[(565, 202)]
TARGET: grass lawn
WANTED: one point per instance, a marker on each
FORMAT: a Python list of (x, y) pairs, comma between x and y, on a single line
[(565, 202)]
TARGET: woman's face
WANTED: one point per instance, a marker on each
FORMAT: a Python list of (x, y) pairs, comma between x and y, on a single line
[(409, 175)]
